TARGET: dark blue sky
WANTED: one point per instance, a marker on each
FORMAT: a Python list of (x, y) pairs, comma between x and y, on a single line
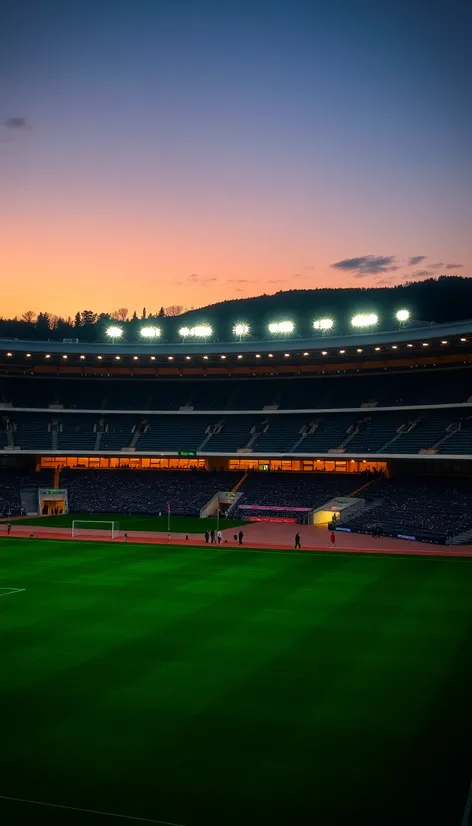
[(173, 146)]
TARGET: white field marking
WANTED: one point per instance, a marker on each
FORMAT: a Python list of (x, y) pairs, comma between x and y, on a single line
[(88, 811), (8, 591), (468, 808)]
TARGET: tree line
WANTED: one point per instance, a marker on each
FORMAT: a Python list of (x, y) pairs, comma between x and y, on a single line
[(434, 300)]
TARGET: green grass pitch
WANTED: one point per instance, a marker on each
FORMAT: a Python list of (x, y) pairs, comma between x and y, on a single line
[(178, 524), (212, 687)]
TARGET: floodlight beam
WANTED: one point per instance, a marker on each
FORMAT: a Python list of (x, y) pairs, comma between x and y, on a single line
[(364, 320), (150, 332), (114, 332)]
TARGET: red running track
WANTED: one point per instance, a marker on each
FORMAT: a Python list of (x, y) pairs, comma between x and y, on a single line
[(259, 536)]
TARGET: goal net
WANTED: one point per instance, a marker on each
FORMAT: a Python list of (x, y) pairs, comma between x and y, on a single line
[(87, 527)]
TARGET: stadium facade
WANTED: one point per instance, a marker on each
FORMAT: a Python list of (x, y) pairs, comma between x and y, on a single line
[(371, 397), (325, 416)]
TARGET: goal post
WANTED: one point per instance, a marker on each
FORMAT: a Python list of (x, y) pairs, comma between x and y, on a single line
[(84, 527)]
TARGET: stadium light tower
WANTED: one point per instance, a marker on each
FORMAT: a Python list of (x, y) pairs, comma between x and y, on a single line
[(402, 317), (241, 330), (114, 332), (365, 320), (199, 331), (323, 324), (281, 328), (150, 332)]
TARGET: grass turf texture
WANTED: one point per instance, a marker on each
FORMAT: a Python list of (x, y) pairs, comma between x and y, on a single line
[(178, 524), (208, 687)]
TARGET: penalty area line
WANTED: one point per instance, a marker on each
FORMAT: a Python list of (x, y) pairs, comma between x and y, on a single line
[(88, 811), (9, 591)]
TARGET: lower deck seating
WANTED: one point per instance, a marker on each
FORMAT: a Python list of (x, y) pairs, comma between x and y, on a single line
[(291, 490), (143, 491), (435, 507)]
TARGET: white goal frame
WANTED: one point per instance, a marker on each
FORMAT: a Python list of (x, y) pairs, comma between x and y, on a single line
[(91, 524)]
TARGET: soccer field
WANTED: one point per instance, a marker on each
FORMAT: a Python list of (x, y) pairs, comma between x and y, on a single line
[(211, 687), (136, 522)]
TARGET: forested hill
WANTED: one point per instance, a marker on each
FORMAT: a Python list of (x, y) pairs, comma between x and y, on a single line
[(445, 299)]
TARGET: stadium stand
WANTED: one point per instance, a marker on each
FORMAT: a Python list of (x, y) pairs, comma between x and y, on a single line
[(144, 492), (375, 431), (11, 484), (392, 389), (430, 508), (271, 491), (404, 416)]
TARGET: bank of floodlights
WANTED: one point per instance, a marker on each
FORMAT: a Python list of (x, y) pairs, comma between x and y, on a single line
[(114, 332), (402, 315), (365, 320), (323, 324), (199, 331), (281, 327), (150, 332), (241, 330)]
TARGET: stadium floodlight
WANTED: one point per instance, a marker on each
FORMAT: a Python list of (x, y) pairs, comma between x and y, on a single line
[(114, 332), (402, 315), (199, 331), (323, 324), (241, 330), (150, 332), (281, 327), (365, 320)]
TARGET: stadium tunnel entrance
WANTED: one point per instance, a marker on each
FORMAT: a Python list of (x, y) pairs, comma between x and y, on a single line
[(52, 501)]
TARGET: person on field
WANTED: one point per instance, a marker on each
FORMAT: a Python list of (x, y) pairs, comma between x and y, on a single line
[(125, 537), (212, 535), (207, 537), (297, 542), (240, 537), (8, 528), (220, 537), (333, 538)]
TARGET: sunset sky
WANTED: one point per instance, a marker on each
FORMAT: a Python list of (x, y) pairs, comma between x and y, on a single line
[(188, 151)]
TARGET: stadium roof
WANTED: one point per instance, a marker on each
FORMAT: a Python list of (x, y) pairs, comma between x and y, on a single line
[(436, 343)]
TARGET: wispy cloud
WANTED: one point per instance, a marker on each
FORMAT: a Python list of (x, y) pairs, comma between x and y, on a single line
[(416, 259), (201, 280), (367, 265), (436, 266), (277, 280), (239, 281), (421, 273), (454, 266), (18, 124)]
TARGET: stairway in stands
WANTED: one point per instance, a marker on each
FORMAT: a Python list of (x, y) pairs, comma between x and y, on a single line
[(29, 499)]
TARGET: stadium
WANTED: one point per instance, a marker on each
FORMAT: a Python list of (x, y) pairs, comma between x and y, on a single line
[(160, 628)]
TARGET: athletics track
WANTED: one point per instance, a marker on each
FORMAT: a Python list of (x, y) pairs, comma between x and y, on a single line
[(259, 536)]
